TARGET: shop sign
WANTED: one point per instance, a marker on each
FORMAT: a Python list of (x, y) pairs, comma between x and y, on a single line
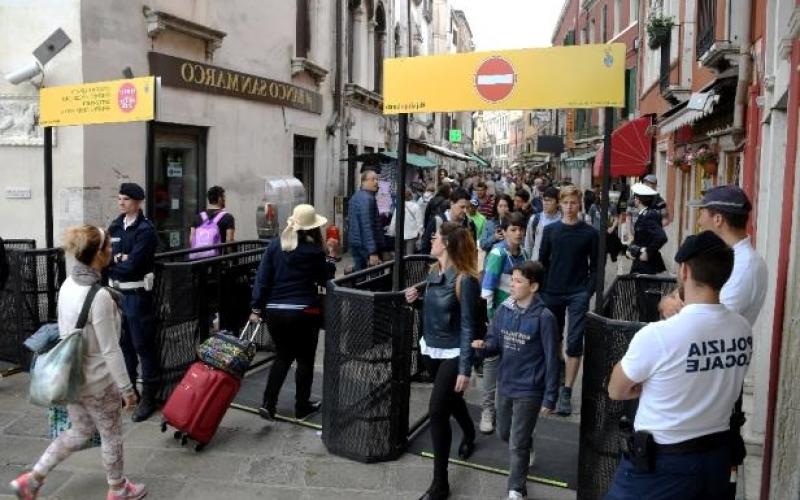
[(582, 76), (455, 136), (115, 101), (201, 77)]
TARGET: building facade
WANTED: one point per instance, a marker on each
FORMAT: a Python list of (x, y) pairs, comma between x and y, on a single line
[(214, 125)]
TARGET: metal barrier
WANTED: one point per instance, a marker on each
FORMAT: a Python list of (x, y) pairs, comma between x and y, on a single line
[(185, 290), (191, 295), (628, 305), (370, 332), (29, 298)]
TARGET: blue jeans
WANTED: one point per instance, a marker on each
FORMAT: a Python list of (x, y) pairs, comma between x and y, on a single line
[(577, 305), (360, 258), (138, 340), (516, 419), (681, 477)]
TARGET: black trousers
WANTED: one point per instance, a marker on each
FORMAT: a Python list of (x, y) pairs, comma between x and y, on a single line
[(295, 334), (138, 339), (445, 401)]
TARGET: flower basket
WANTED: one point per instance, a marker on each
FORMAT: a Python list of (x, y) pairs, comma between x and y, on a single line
[(682, 164), (707, 160), (659, 30), (711, 167)]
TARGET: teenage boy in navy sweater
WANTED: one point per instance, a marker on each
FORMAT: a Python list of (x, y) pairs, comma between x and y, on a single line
[(523, 332)]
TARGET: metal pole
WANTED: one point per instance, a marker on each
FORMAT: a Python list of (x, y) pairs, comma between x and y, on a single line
[(601, 245), (48, 187), (398, 279)]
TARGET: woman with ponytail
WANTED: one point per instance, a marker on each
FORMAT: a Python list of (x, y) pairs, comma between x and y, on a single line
[(285, 291), (106, 384)]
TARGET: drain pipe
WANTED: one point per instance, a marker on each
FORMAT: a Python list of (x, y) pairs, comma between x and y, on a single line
[(745, 65)]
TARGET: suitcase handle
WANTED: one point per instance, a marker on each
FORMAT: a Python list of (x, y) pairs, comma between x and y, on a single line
[(256, 330)]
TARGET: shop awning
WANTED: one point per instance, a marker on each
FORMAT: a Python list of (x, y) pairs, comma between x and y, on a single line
[(414, 160), (444, 151), (631, 149), (480, 161), (579, 161)]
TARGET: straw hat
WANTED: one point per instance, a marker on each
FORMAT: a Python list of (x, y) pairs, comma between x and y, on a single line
[(304, 217)]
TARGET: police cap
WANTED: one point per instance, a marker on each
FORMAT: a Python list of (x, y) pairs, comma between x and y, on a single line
[(699, 244), (132, 191), (730, 199)]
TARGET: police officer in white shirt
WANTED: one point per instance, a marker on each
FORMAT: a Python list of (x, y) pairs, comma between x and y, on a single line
[(725, 211), (687, 372)]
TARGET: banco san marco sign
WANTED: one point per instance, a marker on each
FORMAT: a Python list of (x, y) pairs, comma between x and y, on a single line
[(194, 75)]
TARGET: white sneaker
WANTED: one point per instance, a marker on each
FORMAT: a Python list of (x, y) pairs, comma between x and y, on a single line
[(515, 495), (487, 422)]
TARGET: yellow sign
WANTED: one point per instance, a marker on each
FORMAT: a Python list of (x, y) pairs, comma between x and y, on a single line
[(583, 76), (114, 101)]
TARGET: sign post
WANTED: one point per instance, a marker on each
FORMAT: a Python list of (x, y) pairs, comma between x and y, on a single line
[(116, 101), (510, 79)]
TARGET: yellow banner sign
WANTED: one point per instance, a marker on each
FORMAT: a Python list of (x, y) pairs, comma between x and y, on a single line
[(583, 76), (114, 101)]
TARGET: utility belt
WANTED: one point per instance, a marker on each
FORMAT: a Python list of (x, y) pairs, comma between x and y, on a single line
[(145, 284), (641, 450)]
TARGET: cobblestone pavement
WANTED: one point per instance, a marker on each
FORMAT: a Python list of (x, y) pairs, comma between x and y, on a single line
[(248, 458)]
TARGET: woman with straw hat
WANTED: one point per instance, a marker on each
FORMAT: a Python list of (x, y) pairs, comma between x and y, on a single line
[(285, 291)]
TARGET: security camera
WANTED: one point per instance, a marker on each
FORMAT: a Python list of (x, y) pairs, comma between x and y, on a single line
[(25, 73)]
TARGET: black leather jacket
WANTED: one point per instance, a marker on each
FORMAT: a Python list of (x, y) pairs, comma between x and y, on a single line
[(448, 322)]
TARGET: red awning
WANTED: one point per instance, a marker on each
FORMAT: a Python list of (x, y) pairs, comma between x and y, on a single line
[(630, 150)]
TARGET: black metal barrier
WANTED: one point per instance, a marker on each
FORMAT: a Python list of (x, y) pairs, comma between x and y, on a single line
[(629, 304), (193, 297), (189, 296), (29, 298), (370, 334)]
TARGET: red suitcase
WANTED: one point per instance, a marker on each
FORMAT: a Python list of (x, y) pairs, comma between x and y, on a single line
[(196, 406)]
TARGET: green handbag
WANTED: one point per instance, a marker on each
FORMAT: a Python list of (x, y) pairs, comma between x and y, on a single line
[(57, 375)]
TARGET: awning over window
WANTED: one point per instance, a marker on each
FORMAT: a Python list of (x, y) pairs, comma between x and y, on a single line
[(579, 161), (477, 159), (444, 151), (414, 160), (630, 150)]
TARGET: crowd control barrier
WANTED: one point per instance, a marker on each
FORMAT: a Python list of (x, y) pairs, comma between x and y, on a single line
[(30, 296), (370, 334), (630, 303), (191, 298)]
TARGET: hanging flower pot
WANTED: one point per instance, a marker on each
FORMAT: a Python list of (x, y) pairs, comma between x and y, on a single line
[(711, 167), (682, 164), (659, 30)]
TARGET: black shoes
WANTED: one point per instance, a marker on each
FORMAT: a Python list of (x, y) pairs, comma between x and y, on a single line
[(147, 404), (466, 448), (302, 411), (266, 412), (436, 492)]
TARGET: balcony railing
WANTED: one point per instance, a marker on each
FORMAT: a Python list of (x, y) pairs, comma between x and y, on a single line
[(586, 133), (706, 25)]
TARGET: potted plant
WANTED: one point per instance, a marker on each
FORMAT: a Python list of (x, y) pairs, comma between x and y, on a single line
[(706, 158), (659, 29), (682, 164)]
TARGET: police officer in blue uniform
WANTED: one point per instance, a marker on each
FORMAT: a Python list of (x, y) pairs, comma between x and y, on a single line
[(687, 372), (648, 235), (133, 247)]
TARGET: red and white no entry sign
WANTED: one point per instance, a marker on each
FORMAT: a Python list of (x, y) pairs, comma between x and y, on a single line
[(495, 79)]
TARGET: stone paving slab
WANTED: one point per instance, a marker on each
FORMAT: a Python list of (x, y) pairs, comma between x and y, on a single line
[(249, 459)]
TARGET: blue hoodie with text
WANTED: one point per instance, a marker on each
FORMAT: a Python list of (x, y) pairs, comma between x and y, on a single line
[(527, 342)]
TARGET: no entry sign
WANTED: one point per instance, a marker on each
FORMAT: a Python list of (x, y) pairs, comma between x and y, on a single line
[(495, 79), (579, 76)]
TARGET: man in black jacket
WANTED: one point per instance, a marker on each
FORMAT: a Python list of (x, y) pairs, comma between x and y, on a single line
[(456, 213)]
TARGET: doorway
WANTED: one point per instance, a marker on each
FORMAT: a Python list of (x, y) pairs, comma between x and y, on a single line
[(177, 178), (304, 164)]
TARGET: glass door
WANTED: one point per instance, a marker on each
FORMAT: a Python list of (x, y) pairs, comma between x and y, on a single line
[(177, 173)]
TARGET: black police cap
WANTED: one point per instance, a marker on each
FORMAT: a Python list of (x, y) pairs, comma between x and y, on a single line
[(698, 244), (132, 191)]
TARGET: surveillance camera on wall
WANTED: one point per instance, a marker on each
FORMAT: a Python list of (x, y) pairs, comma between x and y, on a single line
[(25, 73)]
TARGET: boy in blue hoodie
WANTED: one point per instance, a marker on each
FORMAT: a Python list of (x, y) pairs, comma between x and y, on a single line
[(524, 333)]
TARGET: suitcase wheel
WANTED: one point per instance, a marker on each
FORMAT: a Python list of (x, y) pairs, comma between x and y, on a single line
[(184, 440), (200, 447), (177, 435), (163, 426)]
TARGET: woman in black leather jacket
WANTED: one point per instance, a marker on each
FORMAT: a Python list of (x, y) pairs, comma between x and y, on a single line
[(449, 323)]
